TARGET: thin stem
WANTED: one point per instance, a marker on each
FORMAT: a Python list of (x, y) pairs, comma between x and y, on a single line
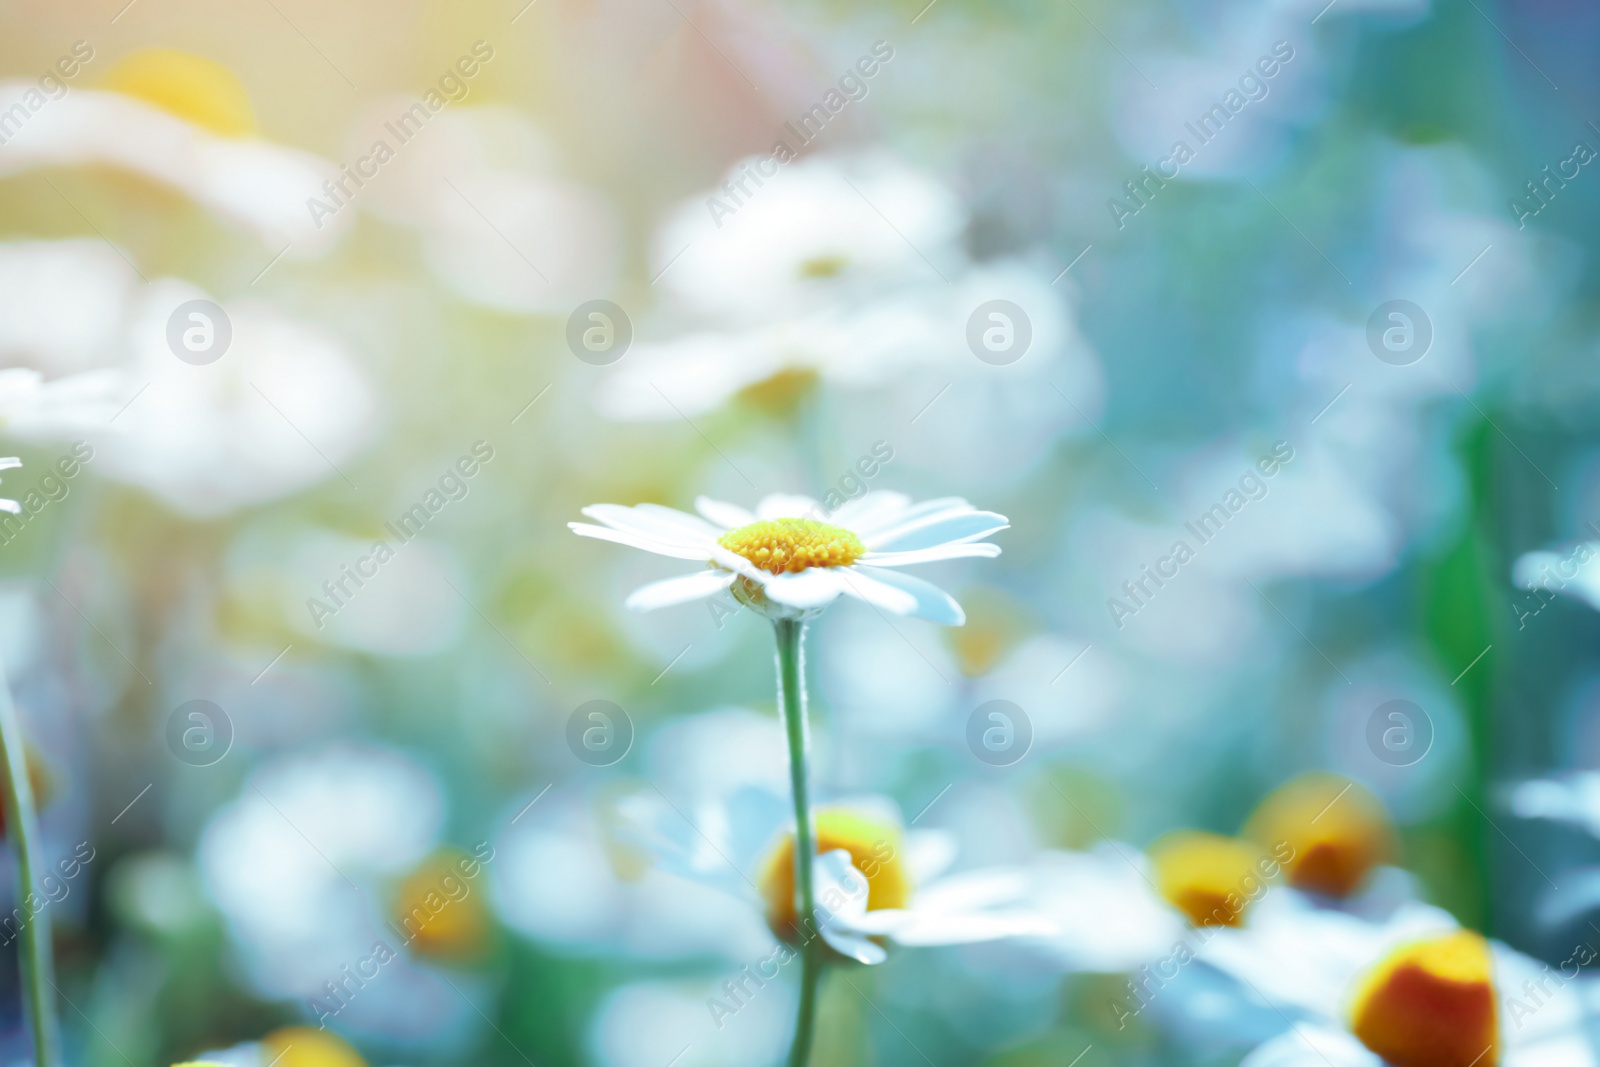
[(792, 698), (38, 977)]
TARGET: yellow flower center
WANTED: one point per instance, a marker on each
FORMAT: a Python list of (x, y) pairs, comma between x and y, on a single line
[(874, 849), (302, 1046), (191, 87), (442, 910), (1431, 1004), (823, 267), (1210, 878), (1337, 829), (792, 545)]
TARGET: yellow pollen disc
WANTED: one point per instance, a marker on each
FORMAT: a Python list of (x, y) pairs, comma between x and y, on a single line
[(823, 267), (1338, 832), (793, 545), (874, 849), (1210, 878), (1431, 1004), (304, 1046), (443, 911), (189, 86)]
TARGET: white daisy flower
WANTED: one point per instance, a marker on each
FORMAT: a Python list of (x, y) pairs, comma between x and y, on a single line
[(787, 564), (183, 121), (1408, 989), (875, 880)]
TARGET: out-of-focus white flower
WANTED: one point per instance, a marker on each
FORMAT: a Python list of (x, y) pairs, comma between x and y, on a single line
[(780, 561), (853, 272), (183, 121), (875, 880), (1330, 982), (639, 1023), (283, 408), (499, 225), (299, 866), (820, 231), (66, 302), (1570, 572)]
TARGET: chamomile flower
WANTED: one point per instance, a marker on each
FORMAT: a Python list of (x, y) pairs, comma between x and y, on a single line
[(786, 563), (186, 122), (876, 881), (1412, 991)]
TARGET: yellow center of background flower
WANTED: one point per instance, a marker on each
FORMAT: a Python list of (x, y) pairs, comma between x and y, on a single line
[(1208, 877), (793, 545), (1431, 1004), (875, 851), (1338, 830), (191, 87)]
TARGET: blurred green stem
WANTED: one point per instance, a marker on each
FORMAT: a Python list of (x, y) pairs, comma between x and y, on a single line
[(792, 699), (38, 979)]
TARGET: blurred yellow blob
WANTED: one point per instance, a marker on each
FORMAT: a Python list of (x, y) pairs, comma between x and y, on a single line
[(1431, 1004), (1210, 878), (441, 910), (874, 848), (194, 88), (303, 1046), (781, 393), (1338, 832)]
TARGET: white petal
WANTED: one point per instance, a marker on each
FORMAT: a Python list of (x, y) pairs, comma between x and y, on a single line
[(655, 522), (1312, 1044), (660, 548), (738, 564), (727, 516), (872, 511), (938, 506), (685, 587), (929, 853), (854, 945), (810, 588), (11, 506), (962, 929), (689, 525), (787, 506), (931, 602), (973, 890), (9, 462), (937, 529), (863, 586), (931, 555)]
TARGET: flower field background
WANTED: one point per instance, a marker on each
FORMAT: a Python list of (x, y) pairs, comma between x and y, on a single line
[(1257, 679)]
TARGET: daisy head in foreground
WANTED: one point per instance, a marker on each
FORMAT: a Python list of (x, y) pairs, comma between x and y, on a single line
[(791, 557)]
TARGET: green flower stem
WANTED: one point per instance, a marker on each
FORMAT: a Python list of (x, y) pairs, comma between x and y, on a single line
[(792, 698), (38, 977)]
